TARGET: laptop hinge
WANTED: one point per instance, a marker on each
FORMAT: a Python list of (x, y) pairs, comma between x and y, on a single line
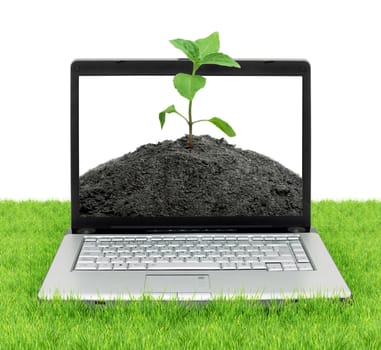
[(86, 230), (296, 229)]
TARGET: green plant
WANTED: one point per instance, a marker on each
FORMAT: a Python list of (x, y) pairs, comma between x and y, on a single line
[(200, 52)]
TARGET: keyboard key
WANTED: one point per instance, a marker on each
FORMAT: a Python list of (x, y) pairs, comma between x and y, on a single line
[(271, 254), (141, 251), (223, 250), (140, 255), (207, 238), (228, 266), (256, 255), (257, 238), (210, 251), (104, 266), (92, 249), (274, 267), (169, 255), (252, 250), (118, 260), (293, 238), (258, 266), (174, 245), (207, 259), (111, 255), (222, 259), (121, 266), (289, 267), (243, 266), (155, 255), (304, 266), (195, 250), (86, 259), (238, 251), (277, 245), (89, 254), (86, 266), (231, 238), (302, 259), (90, 244), (136, 266), (184, 266), (275, 259)]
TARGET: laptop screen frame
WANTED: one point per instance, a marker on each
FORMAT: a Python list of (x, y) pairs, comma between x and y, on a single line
[(172, 67)]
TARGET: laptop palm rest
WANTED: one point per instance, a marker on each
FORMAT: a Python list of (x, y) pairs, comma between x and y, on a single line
[(177, 283)]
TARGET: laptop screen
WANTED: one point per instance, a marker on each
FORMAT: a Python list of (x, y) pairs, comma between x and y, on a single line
[(132, 166)]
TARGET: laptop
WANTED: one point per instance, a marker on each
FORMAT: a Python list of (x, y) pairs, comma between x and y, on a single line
[(227, 217)]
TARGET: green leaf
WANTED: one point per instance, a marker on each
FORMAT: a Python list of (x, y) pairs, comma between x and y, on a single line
[(188, 47), (187, 85), (224, 126), (208, 45), (221, 59), (170, 109)]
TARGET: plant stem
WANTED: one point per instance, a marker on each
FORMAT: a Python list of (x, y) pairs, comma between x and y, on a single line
[(200, 120), (182, 116), (190, 123)]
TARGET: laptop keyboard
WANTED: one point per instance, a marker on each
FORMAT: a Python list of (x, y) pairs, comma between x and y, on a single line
[(277, 252)]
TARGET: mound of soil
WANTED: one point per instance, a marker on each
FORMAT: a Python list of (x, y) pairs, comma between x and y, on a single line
[(214, 178)]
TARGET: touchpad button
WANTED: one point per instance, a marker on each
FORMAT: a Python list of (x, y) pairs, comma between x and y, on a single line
[(177, 283)]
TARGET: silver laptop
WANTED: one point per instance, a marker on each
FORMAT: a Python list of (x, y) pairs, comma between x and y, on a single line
[(227, 217)]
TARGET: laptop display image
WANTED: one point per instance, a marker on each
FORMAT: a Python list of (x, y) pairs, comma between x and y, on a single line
[(258, 172), (227, 216)]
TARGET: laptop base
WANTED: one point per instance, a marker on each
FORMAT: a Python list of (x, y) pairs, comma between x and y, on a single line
[(64, 282)]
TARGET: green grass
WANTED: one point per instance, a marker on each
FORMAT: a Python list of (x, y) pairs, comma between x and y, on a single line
[(31, 231)]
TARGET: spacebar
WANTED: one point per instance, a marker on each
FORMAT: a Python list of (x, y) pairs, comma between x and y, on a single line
[(184, 266)]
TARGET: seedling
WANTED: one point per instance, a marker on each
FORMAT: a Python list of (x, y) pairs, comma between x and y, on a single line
[(200, 52)]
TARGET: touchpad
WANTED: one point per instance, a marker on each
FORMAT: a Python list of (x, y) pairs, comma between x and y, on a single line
[(177, 283)]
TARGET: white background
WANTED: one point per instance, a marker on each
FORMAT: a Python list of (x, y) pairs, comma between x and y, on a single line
[(117, 114), (39, 39)]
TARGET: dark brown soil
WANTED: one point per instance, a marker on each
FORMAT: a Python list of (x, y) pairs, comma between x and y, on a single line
[(214, 178)]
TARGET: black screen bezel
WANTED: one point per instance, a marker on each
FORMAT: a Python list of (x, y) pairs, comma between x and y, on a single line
[(172, 67)]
